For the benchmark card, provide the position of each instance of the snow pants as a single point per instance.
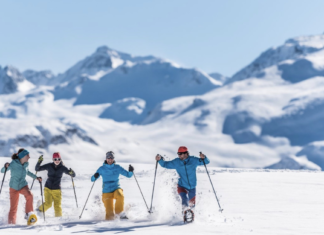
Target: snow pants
(108, 201)
(50, 197)
(188, 196)
(14, 199)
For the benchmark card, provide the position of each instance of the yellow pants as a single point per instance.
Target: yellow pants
(50, 197)
(108, 200)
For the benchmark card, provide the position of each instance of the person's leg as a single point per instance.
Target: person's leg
(119, 196)
(48, 200)
(192, 197)
(184, 196)
(14, 198)
(108, 201)
(57, 197)
(29, 199)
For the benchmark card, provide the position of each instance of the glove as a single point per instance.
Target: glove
(130, 169)
(71, 172)
(40, 159)
(39, 179)
(6, 164)
(96, 175)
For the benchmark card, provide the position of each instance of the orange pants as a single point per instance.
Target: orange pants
(14, 199)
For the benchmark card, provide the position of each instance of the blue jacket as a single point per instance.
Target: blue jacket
(110, 176)
(186, 170)
(18, 174)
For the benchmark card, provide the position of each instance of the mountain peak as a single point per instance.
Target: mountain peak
(313, 41)
(298, 49)
(102, 49)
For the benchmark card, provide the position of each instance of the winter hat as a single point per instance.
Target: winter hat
(110, 154)
(56, 155)
(23, 154)
(182, 149)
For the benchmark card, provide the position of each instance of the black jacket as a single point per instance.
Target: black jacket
(54, 173)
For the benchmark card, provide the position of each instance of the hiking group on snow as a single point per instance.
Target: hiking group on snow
(185, 166)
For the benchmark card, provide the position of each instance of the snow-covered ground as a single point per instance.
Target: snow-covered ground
(254, 201)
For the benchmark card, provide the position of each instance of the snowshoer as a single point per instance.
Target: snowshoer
(52, 190)
(186, 167)
(18, 185)
(111, 190)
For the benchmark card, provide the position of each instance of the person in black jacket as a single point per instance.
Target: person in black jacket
(52, 191)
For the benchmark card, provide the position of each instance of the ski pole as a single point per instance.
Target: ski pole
(150, 211)
(3, 179)
(141, 192)
(220, 209)
(87, 200)
(33, 182)
(35, 173)
(41, 188)
(74, 193)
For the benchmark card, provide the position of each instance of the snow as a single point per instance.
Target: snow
(254, 202)
(268, 111)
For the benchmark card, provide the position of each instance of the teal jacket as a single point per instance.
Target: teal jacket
(18, 174)
(186, 169)
(110, 176)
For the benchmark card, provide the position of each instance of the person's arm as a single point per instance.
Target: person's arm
(4, 167)
(96, 175)
(203, 158)
(31, 174)
(123, 172)
(38, 167)
(168, 164)
(69, 172)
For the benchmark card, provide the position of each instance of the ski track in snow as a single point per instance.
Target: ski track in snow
(254, 202)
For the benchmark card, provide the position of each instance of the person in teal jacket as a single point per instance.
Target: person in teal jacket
(18, 185)
(111, 189)
(186, 167)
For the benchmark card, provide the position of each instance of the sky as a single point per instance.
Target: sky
(211, 35)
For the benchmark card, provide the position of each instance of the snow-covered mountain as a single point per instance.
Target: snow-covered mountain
(298, 59)
(11, 80)
(219, 77)
(109, 76)
(39, 78)
(269, 114)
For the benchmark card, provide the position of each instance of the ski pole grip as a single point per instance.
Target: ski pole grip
(203, 158)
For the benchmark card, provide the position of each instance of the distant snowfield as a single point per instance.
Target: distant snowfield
(254, 202)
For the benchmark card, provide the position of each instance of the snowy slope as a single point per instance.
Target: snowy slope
(298, 59)
(11, 80)
(39, 78)
(109, 76)
(254, 202)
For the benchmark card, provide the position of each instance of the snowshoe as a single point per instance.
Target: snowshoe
(188, 216)
(31, 218)
(123, 216)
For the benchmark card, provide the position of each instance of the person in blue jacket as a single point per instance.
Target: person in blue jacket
(111, 190)
(186, 167)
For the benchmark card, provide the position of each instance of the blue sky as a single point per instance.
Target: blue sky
(212, 35)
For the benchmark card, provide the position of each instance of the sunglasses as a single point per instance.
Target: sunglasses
(56, 159)
(181, 153)
(110, 157)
